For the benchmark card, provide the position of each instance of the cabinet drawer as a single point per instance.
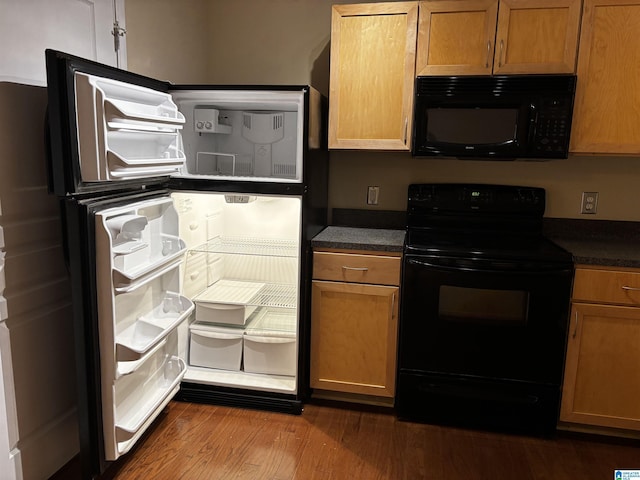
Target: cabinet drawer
(607, 286)
(346, 267)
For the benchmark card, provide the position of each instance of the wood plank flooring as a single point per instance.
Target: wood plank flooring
(198, 442)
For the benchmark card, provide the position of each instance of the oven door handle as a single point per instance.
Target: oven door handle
(491, 266)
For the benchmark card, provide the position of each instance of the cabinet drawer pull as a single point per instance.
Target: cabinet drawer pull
(632, 289)
(357, 269)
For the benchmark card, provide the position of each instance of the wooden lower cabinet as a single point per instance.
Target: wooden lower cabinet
(354, 325)
(354, 336)
(602, 372)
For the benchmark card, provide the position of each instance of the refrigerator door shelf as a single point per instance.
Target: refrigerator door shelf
(148, 330)
(142, 261)
(124, 285)
(138, 410)
(127, 368)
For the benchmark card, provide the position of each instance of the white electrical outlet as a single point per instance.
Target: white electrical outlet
(589, 202)
(372, 195)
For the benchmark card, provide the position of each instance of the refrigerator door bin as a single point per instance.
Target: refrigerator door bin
(131, 266)
(215, 347)
(149, 329)
(141, 396)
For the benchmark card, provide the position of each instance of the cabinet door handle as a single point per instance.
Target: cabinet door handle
(575, 328)
(406, 127)
(501, 53)
(486, 64)
(632, 289)
(357, 269)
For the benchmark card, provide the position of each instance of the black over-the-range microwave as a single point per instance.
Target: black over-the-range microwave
(501, 117)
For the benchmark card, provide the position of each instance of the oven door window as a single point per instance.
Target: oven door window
(483, 306)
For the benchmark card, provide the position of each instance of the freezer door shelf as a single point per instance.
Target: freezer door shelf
(138, 403)
(121, 126)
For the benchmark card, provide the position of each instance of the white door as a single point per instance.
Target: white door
(80, 27)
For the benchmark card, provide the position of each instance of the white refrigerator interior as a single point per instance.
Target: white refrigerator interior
(198, 287)
(126, 131)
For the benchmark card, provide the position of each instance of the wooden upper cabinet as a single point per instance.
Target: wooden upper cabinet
(372, 75)
(481, 37)
(456, 37)
(536, 36)
(606, 115)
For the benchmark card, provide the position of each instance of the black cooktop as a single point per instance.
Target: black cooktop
(479, 221)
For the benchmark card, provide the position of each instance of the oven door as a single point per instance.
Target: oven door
(484, 318)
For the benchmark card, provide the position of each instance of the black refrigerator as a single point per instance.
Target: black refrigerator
(187, 213)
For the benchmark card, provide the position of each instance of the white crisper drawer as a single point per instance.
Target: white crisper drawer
(227, 302)
(214, 346)
(270, 344)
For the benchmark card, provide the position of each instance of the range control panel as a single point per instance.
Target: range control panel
(443, 198)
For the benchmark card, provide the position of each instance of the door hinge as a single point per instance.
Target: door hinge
(117, 32)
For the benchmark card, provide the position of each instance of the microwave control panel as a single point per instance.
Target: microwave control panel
(553, 125)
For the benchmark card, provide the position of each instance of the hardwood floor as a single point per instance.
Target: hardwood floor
(198, 442)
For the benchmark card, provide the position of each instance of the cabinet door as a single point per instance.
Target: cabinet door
(602, 373)
(456, 37)
(354, 338)
(372, 75)
(606, 114)
(536, 36)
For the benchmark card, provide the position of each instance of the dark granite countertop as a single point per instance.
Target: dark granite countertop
(351, 238)
(597, 242)
(591, 242)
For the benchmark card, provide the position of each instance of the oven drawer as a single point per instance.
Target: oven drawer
(356, 268)
(621, 287)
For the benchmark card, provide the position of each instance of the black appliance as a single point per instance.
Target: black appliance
(501, 117)
(484, 309)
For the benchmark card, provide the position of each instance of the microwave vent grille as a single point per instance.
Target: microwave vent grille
(496, 84)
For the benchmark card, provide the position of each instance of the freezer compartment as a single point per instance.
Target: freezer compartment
(215, 347)
(270, 345)
(126, 131)
(253, 135)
